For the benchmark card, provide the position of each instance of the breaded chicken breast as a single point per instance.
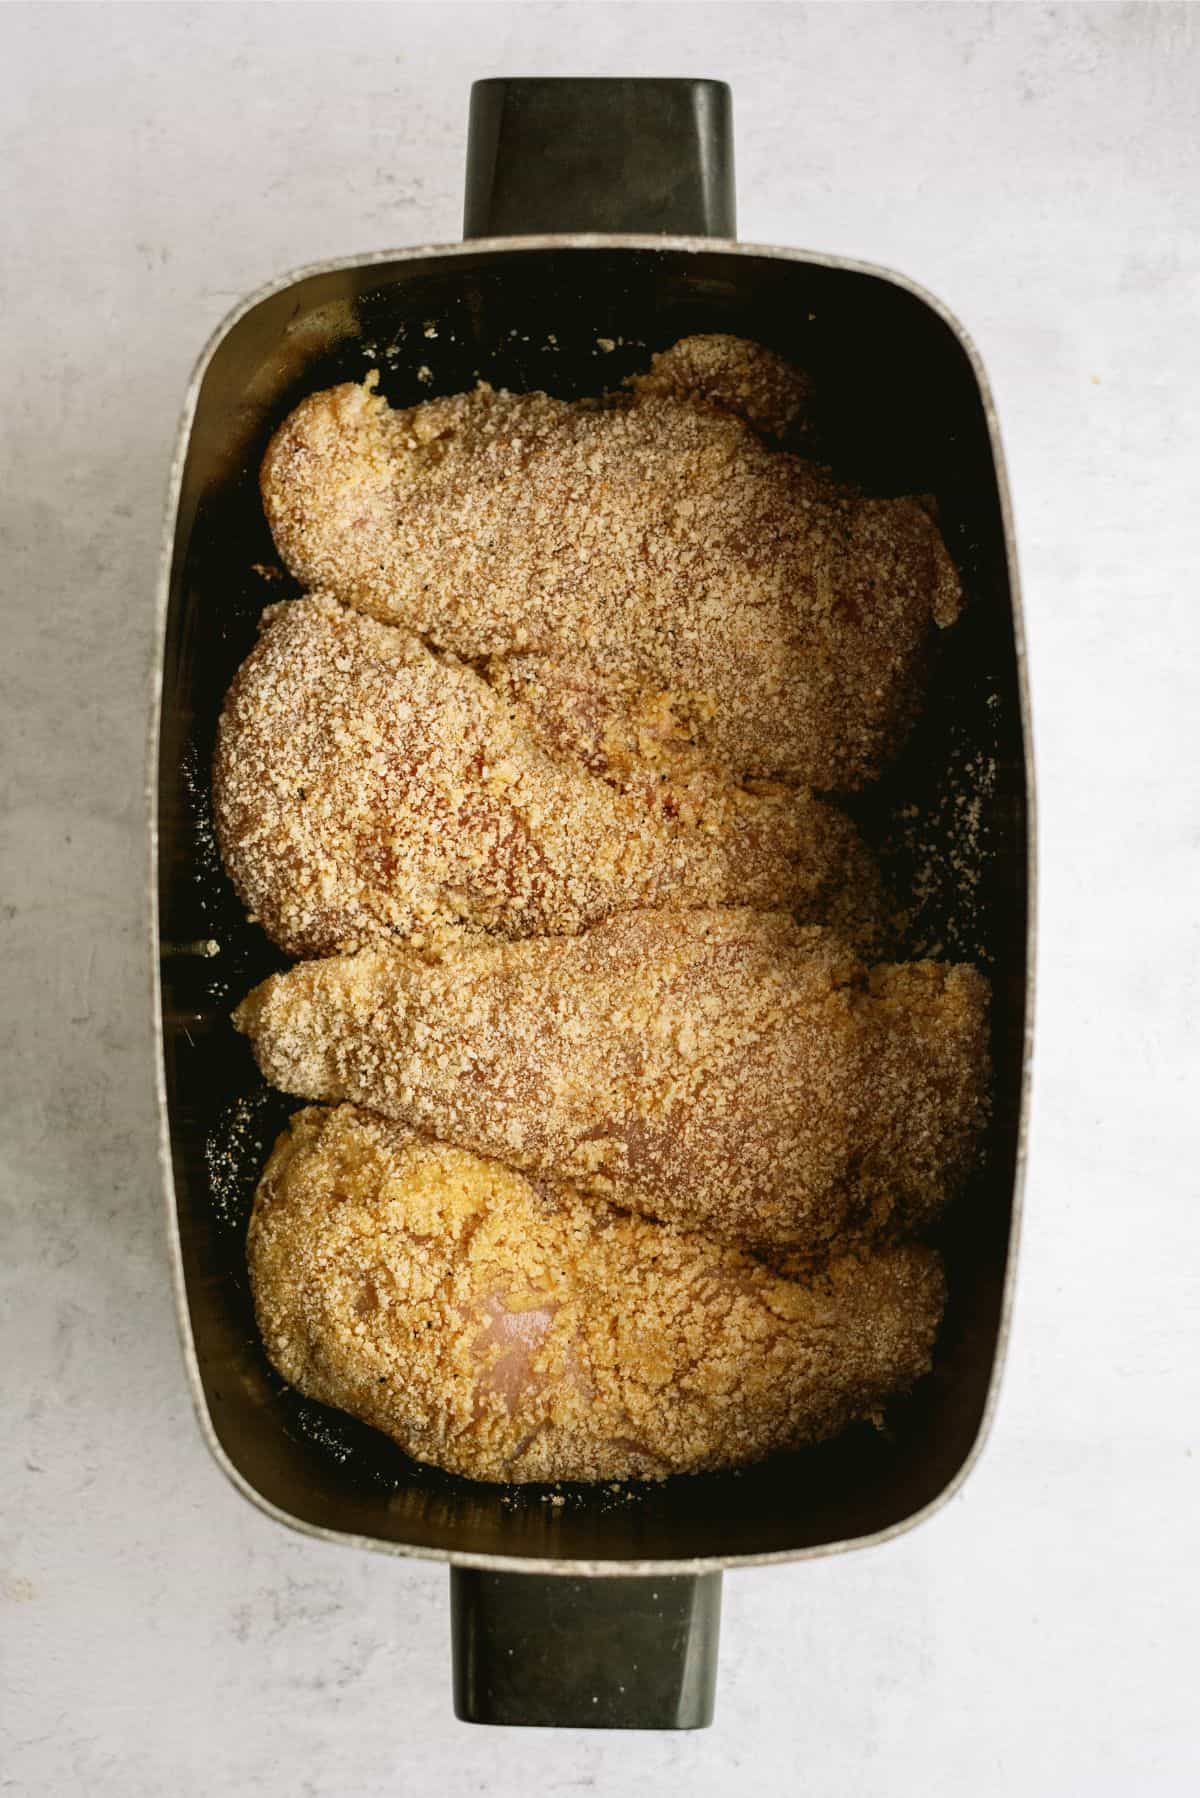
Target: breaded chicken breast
(366, 789)
(655, 553)
(724, 1071)
(506, 1336)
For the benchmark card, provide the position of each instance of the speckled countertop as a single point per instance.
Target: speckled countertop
(1038, 168)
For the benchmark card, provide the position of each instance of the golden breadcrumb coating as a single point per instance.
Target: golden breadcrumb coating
(726, 1071)
(731, 374)
(505, 1336)
(655, 549)
(365, 788)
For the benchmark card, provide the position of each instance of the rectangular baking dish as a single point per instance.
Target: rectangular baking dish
(600, 227)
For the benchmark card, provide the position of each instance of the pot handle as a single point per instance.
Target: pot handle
(597, 1653)
(608, 154)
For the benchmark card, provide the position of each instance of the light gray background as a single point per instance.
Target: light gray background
(1037, 167)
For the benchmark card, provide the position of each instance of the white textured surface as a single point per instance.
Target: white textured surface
(1039, 168)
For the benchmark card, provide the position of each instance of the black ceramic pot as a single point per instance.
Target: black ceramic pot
(600, 225)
